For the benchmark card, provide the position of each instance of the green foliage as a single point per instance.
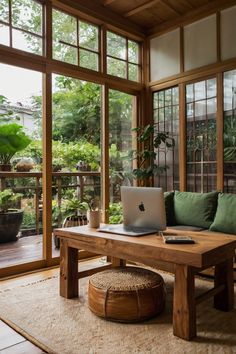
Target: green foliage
(115, 213)
(29, 220)
(12, 140)
(151, 142)
(230, 138)
(73, 207)
(7, 200)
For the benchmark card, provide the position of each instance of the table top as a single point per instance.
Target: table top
(208, 249)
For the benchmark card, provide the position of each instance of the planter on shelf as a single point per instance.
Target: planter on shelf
(5, 167)
(24, 165)
(10, 219)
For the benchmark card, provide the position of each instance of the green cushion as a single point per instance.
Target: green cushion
(225, 219)
(169, 205)
(196, 209)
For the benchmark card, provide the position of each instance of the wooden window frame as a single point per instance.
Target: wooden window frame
(126, 60)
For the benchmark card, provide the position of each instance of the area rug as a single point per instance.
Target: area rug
(64, 326)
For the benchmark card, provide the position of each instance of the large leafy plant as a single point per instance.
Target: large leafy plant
(7, 200)
(12, 140)
(150, 141)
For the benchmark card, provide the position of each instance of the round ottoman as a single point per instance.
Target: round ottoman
(128, 294)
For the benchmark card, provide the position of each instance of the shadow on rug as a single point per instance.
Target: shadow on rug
(65, 326)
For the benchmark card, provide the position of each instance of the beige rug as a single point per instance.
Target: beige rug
(68, 327)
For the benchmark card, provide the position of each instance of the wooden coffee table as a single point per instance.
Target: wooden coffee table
(183, 260)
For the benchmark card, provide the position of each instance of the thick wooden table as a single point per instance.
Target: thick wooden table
(185, 261)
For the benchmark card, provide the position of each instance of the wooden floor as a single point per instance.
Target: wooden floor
(25, 249)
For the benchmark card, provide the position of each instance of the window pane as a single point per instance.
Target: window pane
(201, 137)
(211, 106)
(200, 90)
(65, 53)
(4, 35)
(22, 105)
(133, 52)
(27, 15)
(4, 11)
(189, 93)
(88, 60)
(88, 36)
(133, 72)
(24, 41)
(116, 67)
(167, 120)
(230, 132)
(211, 88)
(64, 28)
(155, 100)
(121, 113)
(116, 45)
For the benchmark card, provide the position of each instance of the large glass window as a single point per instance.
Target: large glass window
(230, 131)
(201, 135)
(75, 41)
(166, 119)
(76, 157)
(21, 153)
(122, 118)
(122, 57)
(21, 25)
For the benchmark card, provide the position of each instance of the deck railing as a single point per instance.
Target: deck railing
(82, 180)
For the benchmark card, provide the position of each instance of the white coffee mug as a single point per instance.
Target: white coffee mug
(93, 217)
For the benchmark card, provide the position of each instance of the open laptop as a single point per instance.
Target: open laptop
(143, 212)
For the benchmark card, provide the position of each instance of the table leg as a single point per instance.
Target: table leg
(184, 307)
(69, 285)
(118, 262)
(224, 275)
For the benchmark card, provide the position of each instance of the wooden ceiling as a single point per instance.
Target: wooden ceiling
(150, 13)
(149, 16)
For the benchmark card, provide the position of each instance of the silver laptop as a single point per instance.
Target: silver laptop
(143, 212)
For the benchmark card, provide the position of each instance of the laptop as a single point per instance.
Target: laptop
(143, 212)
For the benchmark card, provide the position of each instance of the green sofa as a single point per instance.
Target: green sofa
(201, 211)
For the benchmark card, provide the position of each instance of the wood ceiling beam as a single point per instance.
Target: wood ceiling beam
(140, 8)
(170, 7)
(108, 2)
(191, 16)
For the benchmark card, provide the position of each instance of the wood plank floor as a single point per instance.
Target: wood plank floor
(26, 249)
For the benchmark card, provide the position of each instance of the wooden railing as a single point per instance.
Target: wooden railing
(80, 185)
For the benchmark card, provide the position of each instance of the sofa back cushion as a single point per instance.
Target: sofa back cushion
(196, 209)
(169, 205)
(225, 218)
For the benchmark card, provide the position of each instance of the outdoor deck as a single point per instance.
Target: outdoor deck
(26, 249)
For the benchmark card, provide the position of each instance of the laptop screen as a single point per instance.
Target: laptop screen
(143, 207)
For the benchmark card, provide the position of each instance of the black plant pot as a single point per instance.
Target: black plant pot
(10, 223)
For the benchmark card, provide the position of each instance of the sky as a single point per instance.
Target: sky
(18, 84)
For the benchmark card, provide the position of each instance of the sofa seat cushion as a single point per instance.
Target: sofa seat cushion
(195, 209)
(225, 218)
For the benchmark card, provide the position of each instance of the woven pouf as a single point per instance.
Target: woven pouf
(128, 294)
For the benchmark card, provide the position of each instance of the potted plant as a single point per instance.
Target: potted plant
(150, 141)
(12, 140)
(75, 215)
(10, 218)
